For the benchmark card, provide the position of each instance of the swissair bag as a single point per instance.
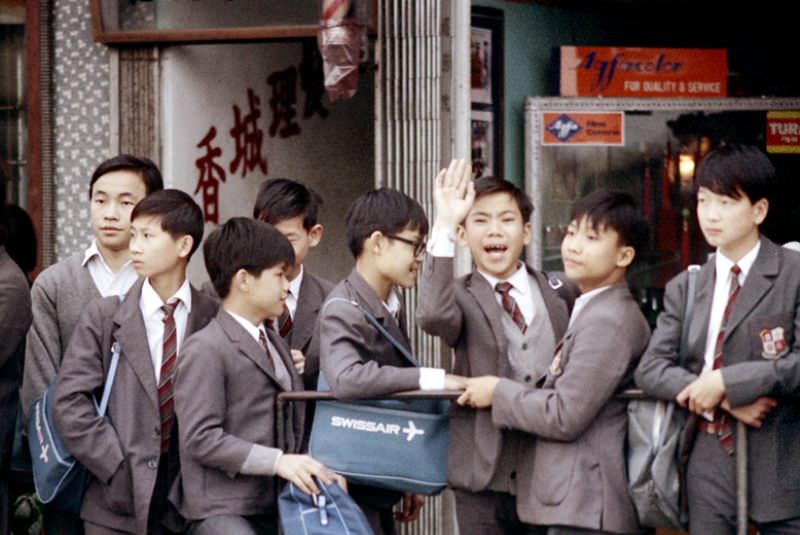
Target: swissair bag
(655, 430)
(59, 479)
(331, 512)
(391, 444)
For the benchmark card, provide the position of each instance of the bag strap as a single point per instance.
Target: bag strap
(683, 350)
(381, 329)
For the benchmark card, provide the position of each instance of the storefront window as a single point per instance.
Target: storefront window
(13, 127)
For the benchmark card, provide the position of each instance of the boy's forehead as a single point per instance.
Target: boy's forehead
(147, 221)
(586, 221)
(497, 202)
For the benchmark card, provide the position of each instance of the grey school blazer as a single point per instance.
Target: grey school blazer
(572, 468)
(465, 313)
(121, 451)
(761, 357)
(225, 395)
(15, 318)
(305, 335)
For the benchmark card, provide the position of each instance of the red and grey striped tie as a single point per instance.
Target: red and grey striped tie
(166, 389)
(510, 304)
(725, 431)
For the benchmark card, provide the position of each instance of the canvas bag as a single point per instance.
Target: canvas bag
(59, 479)
(331, 512)
(391, 444)
(655, 430)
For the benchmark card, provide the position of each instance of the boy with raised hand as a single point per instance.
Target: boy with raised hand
(502, 319)
(571, 477)
(743, 358)
(228, 379)
(386, 234)
(292, 208)
(132, 453)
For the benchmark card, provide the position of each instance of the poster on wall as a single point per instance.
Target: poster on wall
(592, 71)
(583, 128)
(783, 132)
(482, 144)
(481, 65)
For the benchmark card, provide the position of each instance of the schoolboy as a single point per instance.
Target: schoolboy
(491, 217)
(571, 476)
(62, 291)
(227, 382)
(292, 208)
(743, 354)
(132, 453)
(386, 234)
(15, 318)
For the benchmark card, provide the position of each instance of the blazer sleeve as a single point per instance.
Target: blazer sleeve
(593, 371)
(659, 372)
(15, 318)
(437, 312)
(43, 346)
(341, 348)
(747, 381)
(90, 438)
(200, 406)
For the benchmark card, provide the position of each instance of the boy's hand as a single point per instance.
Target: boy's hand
(479, 392)
(454, 382)
(411, 507)
(754, 413)
(299, 360)
(299, 469)
(453, 194)
(703, 394)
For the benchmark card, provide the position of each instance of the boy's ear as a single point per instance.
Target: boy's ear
(241, 280)
(374, 242)
(526, 234)
(760, 210)
(461, 234)
(625, 256)
(185, 243)
(315, 235)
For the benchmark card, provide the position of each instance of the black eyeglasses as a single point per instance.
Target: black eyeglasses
(419, 246)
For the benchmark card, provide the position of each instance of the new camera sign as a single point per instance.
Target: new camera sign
(583, 128)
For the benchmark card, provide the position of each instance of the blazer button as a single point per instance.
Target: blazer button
(152, 464)
(156, 432)
(513, 475)
(525, 346)
(528, 378)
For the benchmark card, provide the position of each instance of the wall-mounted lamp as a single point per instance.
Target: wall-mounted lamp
(686, 168)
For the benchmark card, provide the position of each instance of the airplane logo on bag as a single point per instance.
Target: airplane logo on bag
(39, 434)
(371, 426)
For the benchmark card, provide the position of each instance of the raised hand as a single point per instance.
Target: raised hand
(453, 194)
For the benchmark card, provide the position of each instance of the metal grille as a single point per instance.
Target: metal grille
(408, 146)
(13, 126)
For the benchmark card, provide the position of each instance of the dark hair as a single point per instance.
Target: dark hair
(385, 210)
(733, 169)
(20, 239)
(243, 243)
(616, 210)
(487, 185)
(180, 215)
(144, 167)
(279, 199)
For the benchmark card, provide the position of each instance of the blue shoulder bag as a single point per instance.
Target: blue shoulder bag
(331, 512)
(59, 479)
(391, 444)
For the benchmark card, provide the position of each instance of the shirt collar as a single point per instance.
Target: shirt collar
(519, 279)
(392, 303)
(724, 264)
(253, 330)
(152, 303)
(294, 285)
(92, 253)
(586, 297)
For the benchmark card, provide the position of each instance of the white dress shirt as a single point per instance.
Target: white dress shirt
(150, 305)
(582, 300)
(722, 286)
(107, 282)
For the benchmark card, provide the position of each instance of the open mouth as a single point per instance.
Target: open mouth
(495, 250)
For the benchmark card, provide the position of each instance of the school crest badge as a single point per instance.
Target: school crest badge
(773, 343)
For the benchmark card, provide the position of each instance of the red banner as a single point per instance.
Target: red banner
(783, 132)
(583, 128)
(591, 71)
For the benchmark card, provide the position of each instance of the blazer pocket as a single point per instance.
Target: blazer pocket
(219, 486)
(118, 493)
(772, 336)
(553, 465)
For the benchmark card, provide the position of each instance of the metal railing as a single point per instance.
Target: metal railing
(741, 433)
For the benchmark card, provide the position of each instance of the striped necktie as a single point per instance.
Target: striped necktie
(285, 321)
(262, 339)
(720, 417)
(166, 387)
(510, 304)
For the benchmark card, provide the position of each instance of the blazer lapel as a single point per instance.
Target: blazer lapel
(308, 304)
(203, 309)
(758, 283)
(703, 296)
(487, 302)
(246, 344)
(132, 338)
